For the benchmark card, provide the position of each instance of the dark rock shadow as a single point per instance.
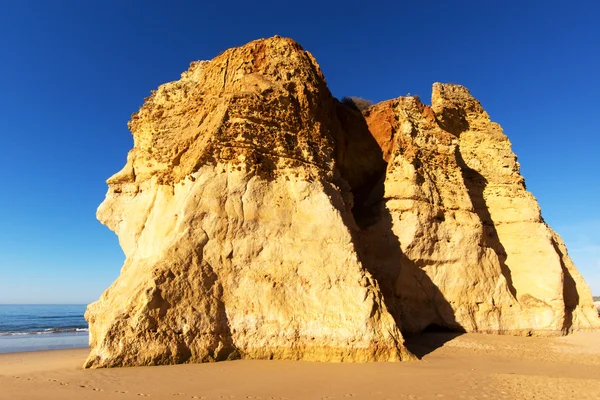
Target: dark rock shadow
(476, 184)
(415, 302)
(359, 160)
(412, 298)
(428, 341)
(570, 295)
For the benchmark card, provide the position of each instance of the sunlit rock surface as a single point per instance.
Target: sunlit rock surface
(456, 240)
(262, 218)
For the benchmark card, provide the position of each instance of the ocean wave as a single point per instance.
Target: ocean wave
(46, 331)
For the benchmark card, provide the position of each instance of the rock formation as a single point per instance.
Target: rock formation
(234, 220)
(474, 251)
(262, 218)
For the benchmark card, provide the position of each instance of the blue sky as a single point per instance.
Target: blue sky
(74, 71)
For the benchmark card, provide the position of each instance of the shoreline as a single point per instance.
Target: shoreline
(10, 344)
(467, 366)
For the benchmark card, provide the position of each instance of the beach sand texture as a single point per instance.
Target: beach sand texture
(469, 366)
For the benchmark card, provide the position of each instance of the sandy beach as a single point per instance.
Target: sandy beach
(468, 366)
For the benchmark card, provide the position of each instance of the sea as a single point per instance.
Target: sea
(42, 327)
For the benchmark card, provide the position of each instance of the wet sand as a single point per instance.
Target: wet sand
(468, 366)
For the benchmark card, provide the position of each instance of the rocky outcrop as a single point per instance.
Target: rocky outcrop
(234, 221)
(470, 248)
(262, 218)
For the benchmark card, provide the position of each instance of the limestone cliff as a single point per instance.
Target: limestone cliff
(234, 221)
(470, 250)
(261, 218)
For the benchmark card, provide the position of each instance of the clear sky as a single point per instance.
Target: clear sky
(72, 73)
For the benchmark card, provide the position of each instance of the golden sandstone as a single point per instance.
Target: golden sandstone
(262, 218)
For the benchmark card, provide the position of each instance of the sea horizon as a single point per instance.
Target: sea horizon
(39, 327)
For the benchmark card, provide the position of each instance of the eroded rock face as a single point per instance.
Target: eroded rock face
(470, 248)
(261, 218)
(234, 220)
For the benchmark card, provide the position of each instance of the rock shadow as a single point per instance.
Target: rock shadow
(359, 160)
(412, 298)
(570, 294)
(476, 184)
(428, 341)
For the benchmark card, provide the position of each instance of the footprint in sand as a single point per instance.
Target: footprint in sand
(59, 382)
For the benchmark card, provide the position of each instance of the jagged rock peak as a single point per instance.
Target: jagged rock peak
(270, 87)
(475, 252)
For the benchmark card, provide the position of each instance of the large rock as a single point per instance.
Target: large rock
(235, 223)
(261, 218)
(469, 248)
